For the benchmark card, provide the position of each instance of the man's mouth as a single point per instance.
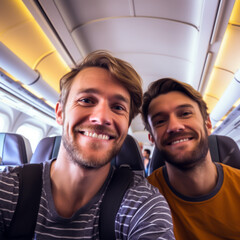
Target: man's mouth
(96, 135)
(179, 138)
(179, 141)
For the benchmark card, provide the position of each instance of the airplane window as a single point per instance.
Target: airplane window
(4, 122)
(32, 133)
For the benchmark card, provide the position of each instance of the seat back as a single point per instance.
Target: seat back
(222, 149)
(129, 155)
(225, 150)
(46, 149)
(156, 161)
(14, 149)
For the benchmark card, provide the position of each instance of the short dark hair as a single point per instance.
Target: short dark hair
(120, 70)
(147, 151)
(166, 85)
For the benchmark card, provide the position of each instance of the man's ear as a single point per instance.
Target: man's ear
(208, 125)
(150, 138)
(59, 113)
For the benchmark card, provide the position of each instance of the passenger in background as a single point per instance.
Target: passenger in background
(98, 100)
(146, 159)
(203, 196)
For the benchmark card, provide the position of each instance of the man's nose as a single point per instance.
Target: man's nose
(101, 114)
(175, 124)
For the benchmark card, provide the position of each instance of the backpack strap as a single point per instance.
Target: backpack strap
(112, 199)
(24, 219)
(213, 146)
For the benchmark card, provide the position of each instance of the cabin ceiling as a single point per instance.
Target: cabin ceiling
(160, 38)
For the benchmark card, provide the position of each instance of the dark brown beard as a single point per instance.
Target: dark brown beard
(191, 159)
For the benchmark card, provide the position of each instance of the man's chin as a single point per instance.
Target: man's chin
(184, 161)
(92, 166)
(91, 162)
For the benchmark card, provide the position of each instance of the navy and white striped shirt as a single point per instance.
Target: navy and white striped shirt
(143, 214)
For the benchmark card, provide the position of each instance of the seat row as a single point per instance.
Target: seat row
(15, 150)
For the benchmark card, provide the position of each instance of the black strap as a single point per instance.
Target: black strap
(213, 146)
(112, 199)
(24, 219)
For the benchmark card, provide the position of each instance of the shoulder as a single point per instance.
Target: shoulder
(145, 211)
(231, 173)
(9, 177)
(141, 185)
(156, 178)
(230, 170)
(9, 189)
(142, 192)
(144, 195)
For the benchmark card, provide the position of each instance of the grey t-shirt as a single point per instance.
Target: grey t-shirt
(143, 214)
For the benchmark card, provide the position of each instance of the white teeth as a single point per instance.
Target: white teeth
(181, 140)
(95, 135)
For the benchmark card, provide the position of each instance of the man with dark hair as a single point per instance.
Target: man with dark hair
(146, 159)
(203, 196)
(98, 100)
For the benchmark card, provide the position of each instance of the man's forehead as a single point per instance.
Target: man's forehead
(171, 100)
(98, 80)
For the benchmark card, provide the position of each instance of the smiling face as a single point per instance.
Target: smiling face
(178, 129)
(95, 119)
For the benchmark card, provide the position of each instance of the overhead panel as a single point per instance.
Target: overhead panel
(227, 62)
(229, 58)
(22, 35)
(79, 12)
(52, 68)
(222, 78)
(185, 11)
(145, 35)
(152, 66)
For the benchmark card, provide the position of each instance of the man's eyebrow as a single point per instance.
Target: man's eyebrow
(121, 98)
(88, 90)
(177, 108)
(187, 105)
(117, 96)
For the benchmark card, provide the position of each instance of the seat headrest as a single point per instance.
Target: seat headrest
(46, 149)
(14, 149)
(225, 150)
(222, 149)
(129, 155)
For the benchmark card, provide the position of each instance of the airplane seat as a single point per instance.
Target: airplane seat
(46, 149)
(223, 149)
(14, 149)
(129, 155)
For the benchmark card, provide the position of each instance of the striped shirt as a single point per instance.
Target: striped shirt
(143, 213)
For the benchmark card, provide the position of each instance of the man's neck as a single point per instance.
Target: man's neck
(73, 186)
(196, 182)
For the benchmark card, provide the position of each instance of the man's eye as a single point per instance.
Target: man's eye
(159, 122)
(186, 114)
(85, 100)
(118, 107)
